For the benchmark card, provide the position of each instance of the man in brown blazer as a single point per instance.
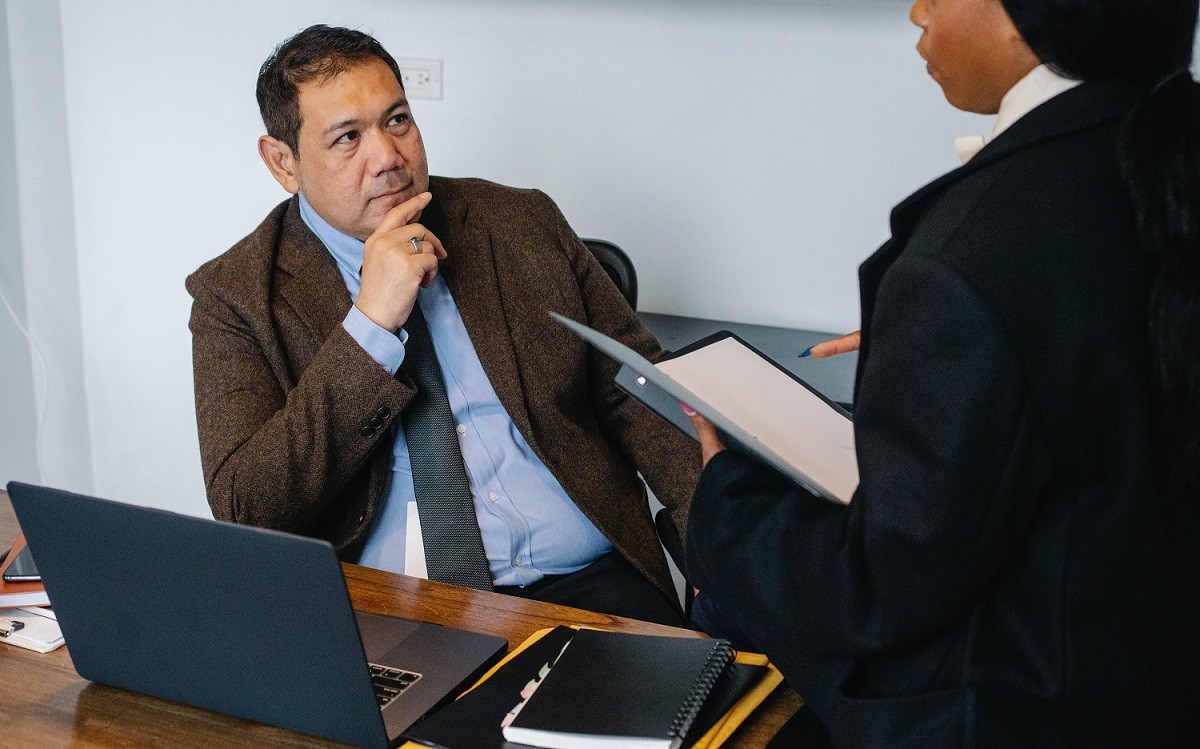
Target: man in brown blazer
(303, 340)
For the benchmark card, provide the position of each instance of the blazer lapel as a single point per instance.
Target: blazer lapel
(470, 274)
(309, 280)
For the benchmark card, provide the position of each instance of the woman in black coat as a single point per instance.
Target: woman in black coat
(1019, 565)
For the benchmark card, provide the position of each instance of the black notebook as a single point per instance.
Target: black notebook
(473, 721)
(617, 689)
(734, 682)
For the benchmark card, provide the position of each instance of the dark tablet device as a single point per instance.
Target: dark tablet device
(22, 569)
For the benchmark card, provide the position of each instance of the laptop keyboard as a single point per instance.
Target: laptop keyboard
(390, 682)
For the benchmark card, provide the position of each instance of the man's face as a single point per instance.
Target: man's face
(361, 153)
(973, 51)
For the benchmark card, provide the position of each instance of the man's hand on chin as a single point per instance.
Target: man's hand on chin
(399, 257)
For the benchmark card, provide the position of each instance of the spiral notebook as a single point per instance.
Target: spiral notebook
(474, 721)
(612, 689)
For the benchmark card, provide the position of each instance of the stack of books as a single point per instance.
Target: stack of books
(22, 622)
(19, 591)
(594, 689)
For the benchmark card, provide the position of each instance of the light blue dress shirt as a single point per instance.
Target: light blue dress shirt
(530, 527)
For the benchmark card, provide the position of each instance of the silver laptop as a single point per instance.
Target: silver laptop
(240, 620)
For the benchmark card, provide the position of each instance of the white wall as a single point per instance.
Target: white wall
(47, 297)
(17, 458)
(744, 153)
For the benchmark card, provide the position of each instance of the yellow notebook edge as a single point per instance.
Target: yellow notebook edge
(720, 731)
(743, 708)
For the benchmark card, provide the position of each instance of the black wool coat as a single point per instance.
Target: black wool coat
(1007, 573)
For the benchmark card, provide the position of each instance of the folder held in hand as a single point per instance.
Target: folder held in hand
(759, 407)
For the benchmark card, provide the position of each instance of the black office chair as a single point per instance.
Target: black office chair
(620, 269)
(617, 265)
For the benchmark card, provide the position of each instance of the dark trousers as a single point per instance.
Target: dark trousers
(610, 585)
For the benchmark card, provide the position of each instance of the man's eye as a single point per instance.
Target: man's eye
(399, 119)
(348, 137)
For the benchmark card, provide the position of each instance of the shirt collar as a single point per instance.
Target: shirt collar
(1039, 86)
(347, 251)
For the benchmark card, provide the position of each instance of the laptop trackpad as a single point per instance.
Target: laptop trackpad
(380, 634)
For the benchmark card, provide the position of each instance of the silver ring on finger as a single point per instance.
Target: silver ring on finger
(416, 243)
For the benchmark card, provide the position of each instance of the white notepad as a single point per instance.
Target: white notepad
(40, 631)
(766, 410)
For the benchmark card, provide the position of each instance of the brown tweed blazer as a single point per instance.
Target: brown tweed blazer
(285, 397)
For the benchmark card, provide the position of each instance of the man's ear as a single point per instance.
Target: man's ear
(279, 159)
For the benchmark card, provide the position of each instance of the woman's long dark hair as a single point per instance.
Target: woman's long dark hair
(1159, 156)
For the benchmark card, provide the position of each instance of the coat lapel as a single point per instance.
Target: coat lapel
(470, 274)
(309, 280)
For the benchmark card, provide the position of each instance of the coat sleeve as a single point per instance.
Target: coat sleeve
(667, 459)
(951, 465)
(278, 456)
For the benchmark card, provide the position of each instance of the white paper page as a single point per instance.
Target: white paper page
(414, 545)
(779, 412)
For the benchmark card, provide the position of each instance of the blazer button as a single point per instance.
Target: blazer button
(383, 412)
(375, 422)
(367, 431)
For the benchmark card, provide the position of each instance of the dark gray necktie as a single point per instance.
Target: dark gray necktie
(453, 547)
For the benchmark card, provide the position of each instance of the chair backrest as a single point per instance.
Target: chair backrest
(617, 265)
(620, 269)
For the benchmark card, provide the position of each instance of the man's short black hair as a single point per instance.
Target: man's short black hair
(319, 52)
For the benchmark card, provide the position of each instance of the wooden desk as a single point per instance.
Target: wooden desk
(44, 704)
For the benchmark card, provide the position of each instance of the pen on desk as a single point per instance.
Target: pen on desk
(8, 626)
(806, 352)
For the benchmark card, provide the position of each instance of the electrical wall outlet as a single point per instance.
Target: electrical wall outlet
(422, 78)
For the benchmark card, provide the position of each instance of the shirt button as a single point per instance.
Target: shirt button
(462, 428)
(493, 496)
(517, 562)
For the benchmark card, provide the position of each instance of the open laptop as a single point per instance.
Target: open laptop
(240, 620)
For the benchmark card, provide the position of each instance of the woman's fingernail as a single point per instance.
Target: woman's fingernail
(806, 352)
(687, 409)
